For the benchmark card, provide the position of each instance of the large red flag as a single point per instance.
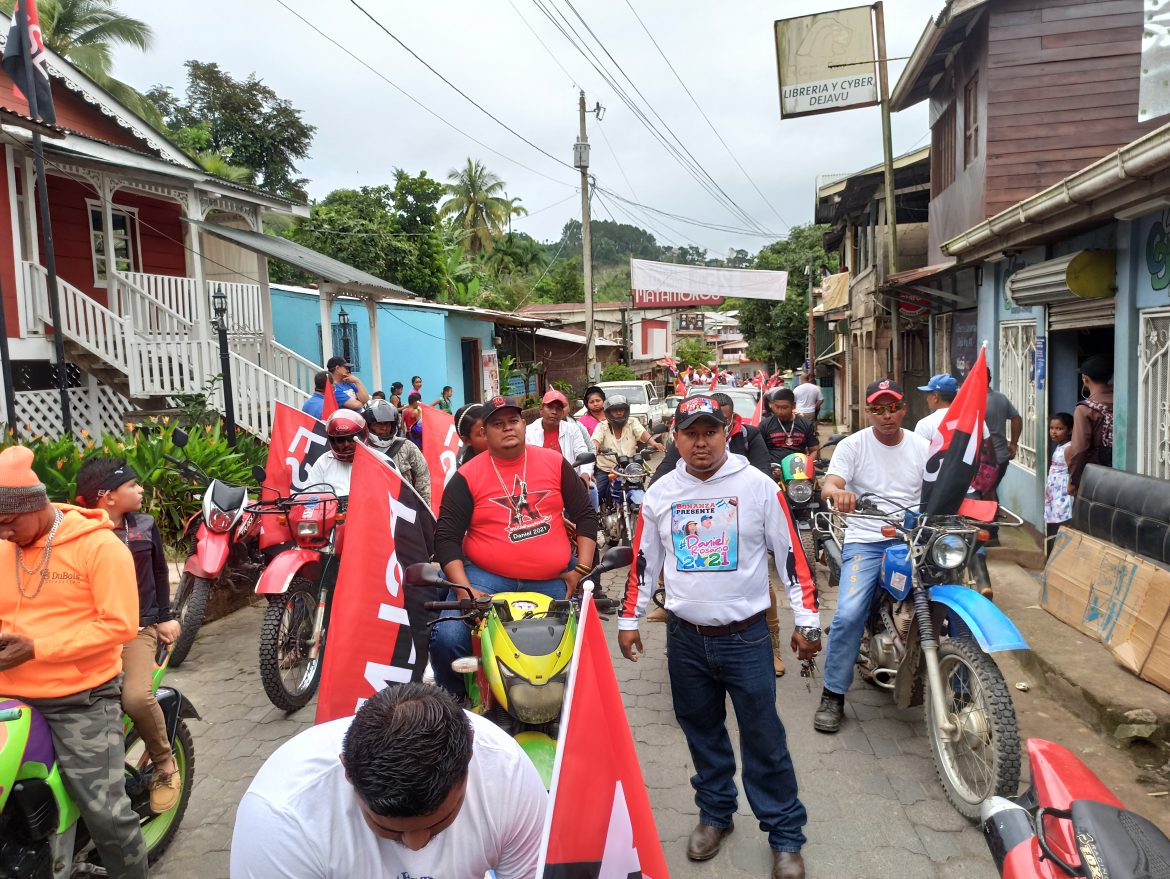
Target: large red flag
(297, 440)
(370, 642)
(440, 446)
(29, 44)
(954, 451)
(679, 387)
(599, 820)
(329, 404)
(758, 412)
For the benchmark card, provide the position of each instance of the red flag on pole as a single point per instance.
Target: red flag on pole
(370, 643)
(440, 446)
(24, 55)
(714, 377)
(599, 820)
(670, 364)
(679, 387)
(329, 404)
(758, 412)
(954, 451)
(297, 441)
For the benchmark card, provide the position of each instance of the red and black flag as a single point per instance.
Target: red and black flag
(25, 52)
(954, 451)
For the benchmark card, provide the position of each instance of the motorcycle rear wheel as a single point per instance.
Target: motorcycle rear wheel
(190, 609)
(290, 678)
(985, 761)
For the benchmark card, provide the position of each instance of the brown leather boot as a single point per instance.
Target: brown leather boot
(774, 630)
(787, 865)
(705, 841)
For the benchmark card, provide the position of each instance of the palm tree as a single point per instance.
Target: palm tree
(477, 205)
(87, 33)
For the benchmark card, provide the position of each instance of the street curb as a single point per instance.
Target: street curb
(1079, 672)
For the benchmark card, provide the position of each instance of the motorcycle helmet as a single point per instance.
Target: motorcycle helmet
(344, 428)
(617, 401)
(382, 418)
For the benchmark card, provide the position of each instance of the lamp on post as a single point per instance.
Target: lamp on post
(219, 302)
(343, 320)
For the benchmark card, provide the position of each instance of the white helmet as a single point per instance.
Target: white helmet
(379, 411)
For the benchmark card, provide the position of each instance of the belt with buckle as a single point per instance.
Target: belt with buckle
(721, 631)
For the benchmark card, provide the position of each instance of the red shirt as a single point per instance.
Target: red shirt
(515, 532)
(552, 440)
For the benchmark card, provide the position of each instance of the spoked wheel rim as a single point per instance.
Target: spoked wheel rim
(294, 642)
(970, 760)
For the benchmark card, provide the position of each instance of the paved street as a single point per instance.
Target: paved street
(874, 805)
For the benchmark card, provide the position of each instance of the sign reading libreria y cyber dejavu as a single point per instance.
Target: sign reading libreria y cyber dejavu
(826, 62)
(670, 285)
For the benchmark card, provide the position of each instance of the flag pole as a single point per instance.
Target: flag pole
(46, 223)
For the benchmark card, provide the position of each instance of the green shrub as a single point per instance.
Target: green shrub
(617, 372)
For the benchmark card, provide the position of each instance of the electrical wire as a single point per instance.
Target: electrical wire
(543, 45)
(706, 119)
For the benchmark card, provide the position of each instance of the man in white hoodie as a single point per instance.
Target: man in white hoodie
(708, 527)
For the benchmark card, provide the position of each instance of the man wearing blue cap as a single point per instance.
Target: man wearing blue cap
(940, 393)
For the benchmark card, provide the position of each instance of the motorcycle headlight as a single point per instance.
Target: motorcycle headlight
(800, 491)
(220, 520)
(308, 529)
(531, 703)
(948, 551)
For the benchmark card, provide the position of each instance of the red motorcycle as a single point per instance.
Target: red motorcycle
(298, 584)
(225, 549)
(1070, 824)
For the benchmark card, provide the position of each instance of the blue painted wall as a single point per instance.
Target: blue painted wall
(413, 341)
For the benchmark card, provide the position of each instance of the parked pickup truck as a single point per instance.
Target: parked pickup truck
(645, 404)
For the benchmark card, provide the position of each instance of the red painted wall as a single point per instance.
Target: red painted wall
(7, 261)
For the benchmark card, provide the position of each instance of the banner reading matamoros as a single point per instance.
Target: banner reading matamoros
(826, 62)
(670, 285)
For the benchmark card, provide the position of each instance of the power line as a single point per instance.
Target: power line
(693, 222)
(704, 115)
(416, 101)
(616, 160)
(544, 45)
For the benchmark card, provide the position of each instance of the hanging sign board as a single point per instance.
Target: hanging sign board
(671, 285)
(826, 62)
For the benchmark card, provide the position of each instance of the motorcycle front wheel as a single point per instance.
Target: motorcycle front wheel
(158, 831)
(984, 760)
(289, 676)
(190, 609)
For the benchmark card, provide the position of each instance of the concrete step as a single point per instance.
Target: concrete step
(1022, 546)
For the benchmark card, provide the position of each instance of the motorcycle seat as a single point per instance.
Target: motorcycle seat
(1119, 843)
(228, 497)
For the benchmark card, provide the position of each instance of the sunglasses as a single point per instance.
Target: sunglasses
(888, 409)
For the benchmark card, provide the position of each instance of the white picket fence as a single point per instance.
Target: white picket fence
(95, 411)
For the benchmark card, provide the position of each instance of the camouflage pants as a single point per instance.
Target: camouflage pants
(87, 733)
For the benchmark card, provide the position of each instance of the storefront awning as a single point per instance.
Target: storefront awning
(932, 288)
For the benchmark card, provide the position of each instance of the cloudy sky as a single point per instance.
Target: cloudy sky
(723, 51)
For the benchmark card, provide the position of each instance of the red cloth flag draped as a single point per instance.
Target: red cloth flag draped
(758, 413)
(15, 58)
(680, 388)
(599, 820)
(329, 404)
(670, 364)
(297, 441)
(440, 446)
(954, 451)
(714, 378)
(377, 635)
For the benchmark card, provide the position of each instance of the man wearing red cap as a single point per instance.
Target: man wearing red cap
(70, 605)
(889, 462)
(553, 431)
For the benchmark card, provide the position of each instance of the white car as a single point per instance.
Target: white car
(742, 400)
(645, 404)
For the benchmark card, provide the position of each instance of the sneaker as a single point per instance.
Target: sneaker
(829, 715)
(165, 788)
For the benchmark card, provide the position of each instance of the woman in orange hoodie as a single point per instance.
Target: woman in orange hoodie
(64, 617)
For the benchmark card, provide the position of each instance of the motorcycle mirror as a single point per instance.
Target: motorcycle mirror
(259, 474)
(179, 438)
(617, 557)
(421, 574)
(584, 458)
(660, 428)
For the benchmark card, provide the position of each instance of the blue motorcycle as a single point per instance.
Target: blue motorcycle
(929, 641)
(627, 489)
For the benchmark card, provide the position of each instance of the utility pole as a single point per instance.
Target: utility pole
(891, 203)
(812, 334)
(581, 160)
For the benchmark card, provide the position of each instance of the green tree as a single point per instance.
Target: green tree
(778, 331)
(617, 372)
(476, 205)
(87, 33)
(692, 351)
(564, 282)
(248, 124)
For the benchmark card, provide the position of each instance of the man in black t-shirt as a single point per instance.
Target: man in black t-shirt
(784, 431)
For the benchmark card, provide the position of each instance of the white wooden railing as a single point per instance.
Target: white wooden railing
(84, 320)
(180, 295)
(245, 306)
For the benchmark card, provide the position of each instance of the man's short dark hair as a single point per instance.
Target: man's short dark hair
(407, 748)
(379, 395)
(93, 474)
(782, 394)
(947, 396)
(319, 381)
(723, 399)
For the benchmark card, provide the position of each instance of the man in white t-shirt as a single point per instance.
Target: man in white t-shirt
(412, 785)
(889, 462)
(809, 398)
(941, 391)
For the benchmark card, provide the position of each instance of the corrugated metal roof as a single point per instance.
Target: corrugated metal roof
(562, 336)
(317, 264)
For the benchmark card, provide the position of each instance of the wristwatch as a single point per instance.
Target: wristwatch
(810, 633)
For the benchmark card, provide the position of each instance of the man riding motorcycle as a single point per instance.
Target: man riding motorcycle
(344, 429)
(785, 432)
(618, 433)
(382, 419)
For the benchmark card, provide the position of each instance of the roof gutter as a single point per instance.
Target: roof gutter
(1143, 158)
(923, 52)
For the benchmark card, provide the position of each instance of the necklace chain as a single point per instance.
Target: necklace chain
(46, 555)
(500, 479)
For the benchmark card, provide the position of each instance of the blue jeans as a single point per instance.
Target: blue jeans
(451, 638)
(703, 672)
(594, 498)
(861, 565)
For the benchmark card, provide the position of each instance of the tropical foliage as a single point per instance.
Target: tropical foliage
(477, 205)
(690, 351)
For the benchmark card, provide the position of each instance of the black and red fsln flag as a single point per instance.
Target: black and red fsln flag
(954, 451)
(17, 67)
